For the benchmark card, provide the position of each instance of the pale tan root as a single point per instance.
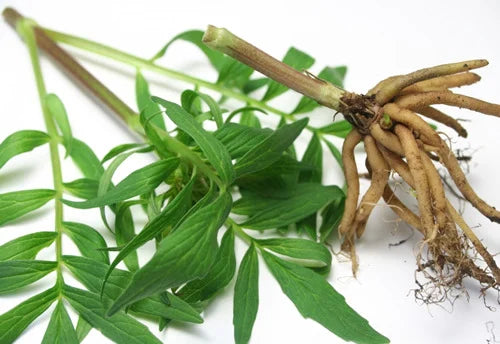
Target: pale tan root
(449, 160)
(441, 83)
(413, 121)
(379, 176)
(417, 101)
(443, 118)
(386, 139)
(401, 210)
(386, 90)
(412, 153)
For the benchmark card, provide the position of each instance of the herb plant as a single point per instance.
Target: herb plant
(237, 179)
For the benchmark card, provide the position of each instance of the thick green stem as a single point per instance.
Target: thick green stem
(240, 232)
(26, 30)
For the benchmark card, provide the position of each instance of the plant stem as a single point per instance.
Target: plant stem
(28, 33)
(240, 232)
(224, 41)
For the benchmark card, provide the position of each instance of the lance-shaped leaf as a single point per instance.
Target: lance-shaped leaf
(331, 214)
(246, 296)
(270, 149)
(27, 246)
(234, 74)
(307, 199)
(339, 129)
(58, 112)
(85, 188)
(15, 274)
(219, 276)
(89, 241)
(335, 152)
(138, 182)
(91, 273)
(239, 139)
(120, 328)
(15, 321)
(120, 149)
(82, 328)
(86, 160)
(145, 104)
(168, 218)
(185, 255)
(18, 203)
(294, 58)
(215, 151)
(125, 231)
(212, 104)
(306, 252)
(21, 142)
(60, 329)
(316, 299)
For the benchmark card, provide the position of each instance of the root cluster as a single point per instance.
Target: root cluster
(396, 138)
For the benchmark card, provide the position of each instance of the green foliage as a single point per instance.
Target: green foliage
(27, 246)
(18, 203)
(21, 142)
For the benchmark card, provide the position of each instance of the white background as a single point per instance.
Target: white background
(375, 39)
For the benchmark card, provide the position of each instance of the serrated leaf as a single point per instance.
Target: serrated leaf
(296, 59)
(316, 299)
(86, 160)
(185, 255)
(120, 328)
(219, 276)
(138, 182)
(215, 152)
(88, 240)
(60, 329)
(91, 274)
(21, 142)
(58, 112)
(15, 274)
(339, 129)
(212, 105)
(246, 296)
(334, 75)
(216, 58)
(168, 218)
(239, 139)
(85, 188)
(270, 149)
(15, 321)
(120, 149)
(18, 203)
(144, 102)
(27, 246)
(82, 328)
(308, 199)
(306, 252)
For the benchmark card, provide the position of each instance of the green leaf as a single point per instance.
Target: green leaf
(219, 276)
(234, 74)
(85, 188)
(308, 199)
(212, 104)
(243, 110)
(248, 118)
(254, 84)
(15, 274)
(58, 112)
(27, 246)
(120, 328)
(313, 156)
(138, 182)
(185, 255)
(60, 329)
(194, 36)
(91, 274)
(15, 321)
(86, 160)
(335, 152)
(120, 149)
(316, 299)
(168, 218)
(332, 214)
(270, 149)
(82, 329)
(339, 129)
(144, 102)
(215, 152)
(334, 75)
(246, 296)
(125, 232)
(294, 58)
(21, 142)
(240, 139)
(307, 253)
(88, 240)
(18, 203)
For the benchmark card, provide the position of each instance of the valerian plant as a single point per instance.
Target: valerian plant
(205, 184)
